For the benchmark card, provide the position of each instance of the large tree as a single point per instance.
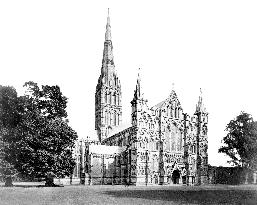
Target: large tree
(240, 143)
(43, 141)
(9, 119)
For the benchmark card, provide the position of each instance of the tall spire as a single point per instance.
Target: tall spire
(108, 107)
(200, 106)
(108, 36)
(138, 92)
(108, 67)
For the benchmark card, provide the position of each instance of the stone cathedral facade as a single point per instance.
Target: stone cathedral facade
(162, 145)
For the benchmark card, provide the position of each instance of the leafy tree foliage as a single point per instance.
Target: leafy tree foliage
(9, 119)
(42, 141)
(241, 141)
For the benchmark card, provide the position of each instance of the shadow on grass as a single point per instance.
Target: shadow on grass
(191, 196)
(31, 186)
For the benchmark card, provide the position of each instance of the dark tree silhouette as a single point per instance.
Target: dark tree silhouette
(41, 145)
(9, 119)
(241, 141)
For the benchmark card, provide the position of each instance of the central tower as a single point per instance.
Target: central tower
(108, 110)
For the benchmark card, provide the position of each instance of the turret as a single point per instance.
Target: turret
(138, 103)
(201, 142)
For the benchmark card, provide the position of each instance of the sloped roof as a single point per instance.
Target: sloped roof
(118, 129)
(104, 149)
(173, 96)
(159, 105)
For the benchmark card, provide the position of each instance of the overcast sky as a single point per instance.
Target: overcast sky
(194, 44)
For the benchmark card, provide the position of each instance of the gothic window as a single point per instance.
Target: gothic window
(157, 146)
(193, 149)
(167, 138)
(114, 119)
(152, 145)
(114, 101)
(105, 98)
(173, 141)
(179, 140)
(105, 117)
(110, 98)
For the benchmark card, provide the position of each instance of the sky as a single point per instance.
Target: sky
(194, 44)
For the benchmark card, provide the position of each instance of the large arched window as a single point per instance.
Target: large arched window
(110, 98)
(105, 117)
(114, 99)
(167, 140)
(105, 97)
(114, 118)
(110, 118)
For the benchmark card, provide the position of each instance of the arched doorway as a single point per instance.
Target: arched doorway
(175, 176)
(155, 179)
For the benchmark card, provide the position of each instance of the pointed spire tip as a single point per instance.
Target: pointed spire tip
(108, 28)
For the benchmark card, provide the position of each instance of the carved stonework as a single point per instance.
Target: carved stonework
(108, 111)
(163, 145)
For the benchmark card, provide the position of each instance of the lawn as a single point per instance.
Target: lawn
(24, 194)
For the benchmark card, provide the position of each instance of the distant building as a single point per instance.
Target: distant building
(162, 145)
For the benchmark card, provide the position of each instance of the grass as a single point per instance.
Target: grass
(220, 194)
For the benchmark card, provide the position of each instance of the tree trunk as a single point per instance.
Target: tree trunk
(49, 181)
(8, 181)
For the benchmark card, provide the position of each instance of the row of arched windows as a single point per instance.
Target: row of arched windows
(112, 99)
(192, 148)
(111, 118)
(174, 112)
(151, 146)
(151, 125)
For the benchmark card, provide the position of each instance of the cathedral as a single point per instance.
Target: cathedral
(162, 145)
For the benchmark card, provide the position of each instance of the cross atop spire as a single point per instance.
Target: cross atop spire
(108, 36)
(172, 93)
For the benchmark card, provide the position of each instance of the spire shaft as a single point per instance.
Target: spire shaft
(138, 92)
(107, 63)
(108, 36)
(200, 106)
